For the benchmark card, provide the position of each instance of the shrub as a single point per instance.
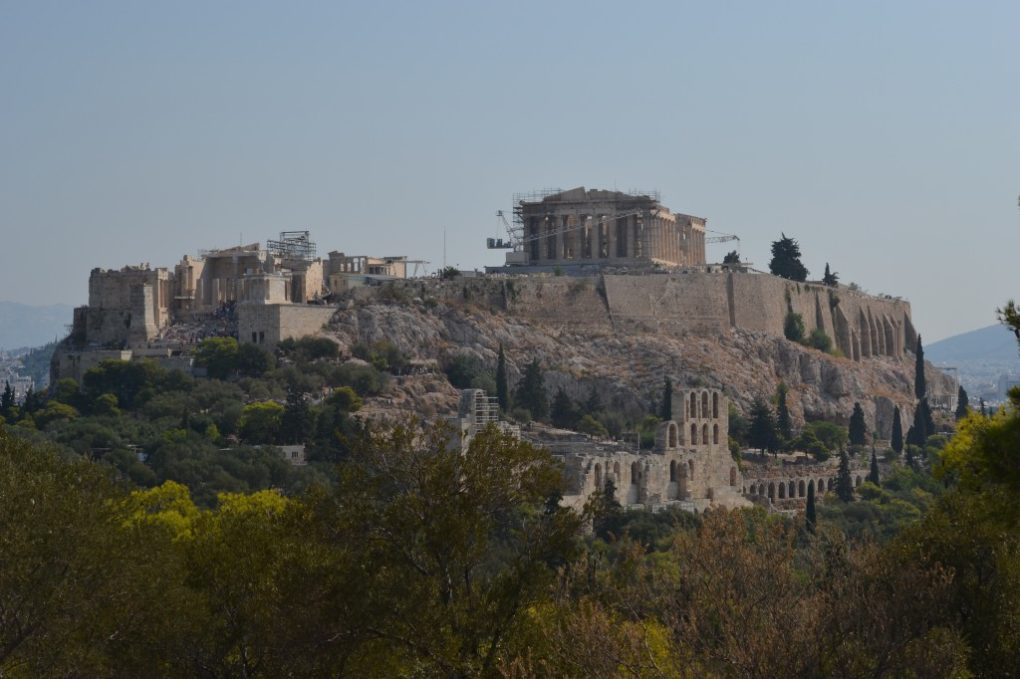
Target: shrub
(793, 327)
(819, 340)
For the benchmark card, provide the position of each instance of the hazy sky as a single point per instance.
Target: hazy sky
(884, 136)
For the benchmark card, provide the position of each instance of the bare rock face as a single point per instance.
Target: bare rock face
(628, 365)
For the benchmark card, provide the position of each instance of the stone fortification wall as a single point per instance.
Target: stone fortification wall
(700, 303)
(268, 324)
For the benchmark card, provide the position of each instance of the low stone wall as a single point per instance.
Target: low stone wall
(268, 324)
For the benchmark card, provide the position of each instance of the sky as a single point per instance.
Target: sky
(883, 136)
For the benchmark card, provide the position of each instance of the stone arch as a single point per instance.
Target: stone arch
(800, 489)
(761, 489)
(672, 435)
(733, 476)
(635, 473)
(694, 434)
(782, 491)
(598, 475)
(694, 404)
(704, 404)
(690, 469)
(672, 471)
(616, 471)
(772, 490)
(715, 404)
(715, 434)
(704, 434)
(793, 489)
(820, 487)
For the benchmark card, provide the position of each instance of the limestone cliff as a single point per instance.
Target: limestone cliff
(569, 325)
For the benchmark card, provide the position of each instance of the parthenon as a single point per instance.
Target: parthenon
(593, 226)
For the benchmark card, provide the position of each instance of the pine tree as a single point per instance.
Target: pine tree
(831, 279)
(786, 260)
(667, 400)
(502, 391)
(844, 484)
(784, 427)
(897, 431)
(873, 475)
(762, 434)
(962, 403)
(809, 512)
(530, 392)
(920, 385)
(858, 430)
(732, 257)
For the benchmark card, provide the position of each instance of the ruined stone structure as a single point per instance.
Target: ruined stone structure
(585, 227)
(690, 465)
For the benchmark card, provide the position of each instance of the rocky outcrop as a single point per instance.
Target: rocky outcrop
(627, 363)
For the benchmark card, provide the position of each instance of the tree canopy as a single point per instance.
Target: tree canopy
(785, 261)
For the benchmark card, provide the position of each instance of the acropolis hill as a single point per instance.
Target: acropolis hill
(603, 287)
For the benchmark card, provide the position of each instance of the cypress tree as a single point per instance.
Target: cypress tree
(667, 400)
(897, 431)
(920, 385)
(858, 430)
(844, 484)
(502, 390)
(873, 475)
(962, 403)
(530, 392)
(809, 512)
(7, 400)
(563, 413)
(830, 279)
(984, 411)
(784, 427)
(762, 434)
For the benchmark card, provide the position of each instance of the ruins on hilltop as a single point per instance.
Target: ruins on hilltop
(592, 228)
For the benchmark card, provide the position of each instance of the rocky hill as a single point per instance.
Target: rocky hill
(627, 362)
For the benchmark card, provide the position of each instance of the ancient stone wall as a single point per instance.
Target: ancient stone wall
(268, 324)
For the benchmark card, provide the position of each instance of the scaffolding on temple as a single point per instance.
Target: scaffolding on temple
(293, 245)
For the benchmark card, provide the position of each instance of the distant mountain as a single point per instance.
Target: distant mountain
(23, 325)
(994, 344)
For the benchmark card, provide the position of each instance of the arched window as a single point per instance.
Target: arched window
(635, 473)
(671, 435)
(704, 434)
(793, 489)
(598, 475)
(772, 491)
(761, 489)
(800, 489)
(616, 472)
(694, 405)
(690, 470)
(733, 476)
(782, 491)
(672, 471)
(704, 404)
(715, 404)
(694, 434)
(715, 433)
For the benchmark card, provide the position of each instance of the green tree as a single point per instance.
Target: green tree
(784, 425)
(873, 473)
(920, 384)
(897, 431)
(962, 403)
(219, 356)
(793, 327)
(563, 413)
(844, 483)
(762, 433)
(731, 257)
(261, 421)
(786, 260)
(502, 388)
(666, 412)
(830, 278)
(7, 401)
(253, 361)
(820, 341)
(530, 392)
(297, 422)
(810, 517)
(858, 429)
